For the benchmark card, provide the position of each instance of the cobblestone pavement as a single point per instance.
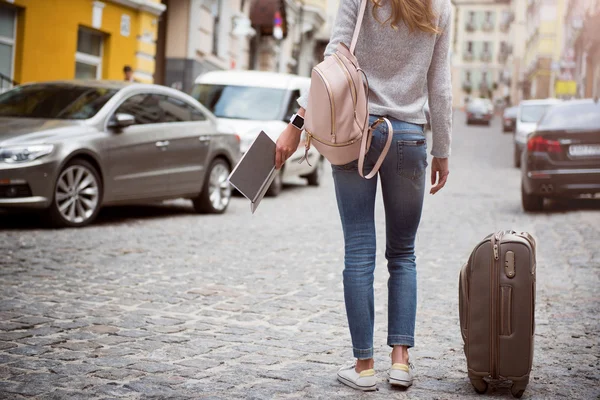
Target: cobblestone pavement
(157, 302)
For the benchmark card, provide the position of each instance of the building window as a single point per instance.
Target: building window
(88, 59)
(215, 11)
(470, 47)
(470, 26)
(488, 24)
(8, 25)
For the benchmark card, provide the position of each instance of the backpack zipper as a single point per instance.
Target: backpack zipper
(348, 78)
(331, 100)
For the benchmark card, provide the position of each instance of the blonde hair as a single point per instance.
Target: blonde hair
(416, 15)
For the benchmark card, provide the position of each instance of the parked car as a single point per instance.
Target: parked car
(251, 101)
(528, 115)
(478, 111)
(71, 147)
(562, 157)
(490, 106)
(509, 119)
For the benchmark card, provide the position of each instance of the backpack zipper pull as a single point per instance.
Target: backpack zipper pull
(306, 148)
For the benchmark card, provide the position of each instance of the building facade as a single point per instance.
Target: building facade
(517, 22)
(198, 36)
(296, 52)
(584, 49)
(67, 39)
(544, 43)
(480, 49)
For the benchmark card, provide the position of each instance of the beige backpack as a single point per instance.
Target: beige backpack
(337, 115)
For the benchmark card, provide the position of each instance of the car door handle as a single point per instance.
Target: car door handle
(204, 138)
(163, 143)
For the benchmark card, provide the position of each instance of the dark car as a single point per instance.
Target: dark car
(509, 119)
(478, 112)
(562, 157)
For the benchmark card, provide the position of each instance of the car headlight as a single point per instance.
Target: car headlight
(24, 153)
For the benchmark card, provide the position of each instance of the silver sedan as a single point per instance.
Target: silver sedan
(71, 147)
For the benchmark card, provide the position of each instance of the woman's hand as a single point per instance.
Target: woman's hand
(287, 144)
(439, 173)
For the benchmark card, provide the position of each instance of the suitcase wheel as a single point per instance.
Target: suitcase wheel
(517, 389)
(480, 385)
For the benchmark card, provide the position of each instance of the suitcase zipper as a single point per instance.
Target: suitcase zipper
(494, 305)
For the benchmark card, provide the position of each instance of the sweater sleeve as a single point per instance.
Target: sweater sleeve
(439, 86)
(342, 31)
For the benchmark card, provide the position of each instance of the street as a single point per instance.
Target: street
(158, 302)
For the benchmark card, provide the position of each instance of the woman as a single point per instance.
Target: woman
(403, 49)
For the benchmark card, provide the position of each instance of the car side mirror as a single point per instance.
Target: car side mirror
(122, 120)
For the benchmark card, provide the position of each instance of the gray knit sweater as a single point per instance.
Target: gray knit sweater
(404, 68)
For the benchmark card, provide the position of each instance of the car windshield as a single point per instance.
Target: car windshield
(477, 106)
(574, 116)
(510, 112)
(241, 102)
(53, 101)
(533, 113)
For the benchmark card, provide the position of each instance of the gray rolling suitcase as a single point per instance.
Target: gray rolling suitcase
(497, 310)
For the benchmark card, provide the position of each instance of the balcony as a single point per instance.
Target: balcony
(486, 56)
(507, 19)
(467, 86)
(487, 26)
(505, 52)
(468, 56)
(470, 26)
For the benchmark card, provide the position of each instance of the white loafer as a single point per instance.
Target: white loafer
(365, 381)
(401, 375)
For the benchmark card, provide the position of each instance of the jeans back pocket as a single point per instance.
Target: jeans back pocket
(412, 157)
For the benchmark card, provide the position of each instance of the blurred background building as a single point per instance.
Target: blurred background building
(169, 42)
(66, 39)
(480, 48)
(501, 49)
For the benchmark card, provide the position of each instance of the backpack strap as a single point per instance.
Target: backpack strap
(363, 149)
(361, 14)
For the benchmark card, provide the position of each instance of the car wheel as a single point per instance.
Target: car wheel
(216, 193)
(531, 202)
(77, 195)
(314, 178)
(276, 185)
(517, 157)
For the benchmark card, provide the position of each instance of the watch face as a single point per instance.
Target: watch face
(298, 121)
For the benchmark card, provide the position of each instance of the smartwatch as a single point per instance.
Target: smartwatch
(297, 121)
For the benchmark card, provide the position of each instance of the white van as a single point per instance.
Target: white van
(251, 101)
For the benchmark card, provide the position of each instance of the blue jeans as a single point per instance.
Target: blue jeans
(403, 182)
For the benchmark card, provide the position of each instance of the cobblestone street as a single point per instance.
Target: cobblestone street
(158, 302)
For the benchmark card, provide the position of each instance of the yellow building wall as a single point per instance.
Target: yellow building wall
(547, 40)
(47, 39)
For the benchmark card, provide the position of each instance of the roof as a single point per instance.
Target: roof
(539, 102)
(253, 78)
(87, 83)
